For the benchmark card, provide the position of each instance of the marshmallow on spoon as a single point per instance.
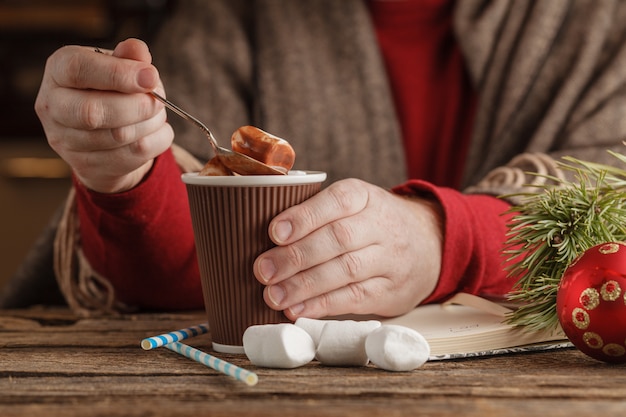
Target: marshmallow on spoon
(265, 147)
(342, 342)
(397, 348)
(281, 345)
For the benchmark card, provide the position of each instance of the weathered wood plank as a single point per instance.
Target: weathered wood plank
(55, 364)
(327, 407)
(34, 328)
(140, 370)
(62, 320)
(83, 339)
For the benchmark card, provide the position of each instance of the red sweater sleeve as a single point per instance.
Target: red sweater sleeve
(142, 240)
(115, 229)
(474, 234)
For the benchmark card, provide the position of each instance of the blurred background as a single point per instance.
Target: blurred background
(33, 181)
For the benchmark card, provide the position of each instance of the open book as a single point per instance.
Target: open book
(467, 325)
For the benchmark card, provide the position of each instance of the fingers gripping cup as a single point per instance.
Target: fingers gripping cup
(230, 217)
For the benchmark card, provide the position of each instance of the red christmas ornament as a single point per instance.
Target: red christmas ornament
(591, 302)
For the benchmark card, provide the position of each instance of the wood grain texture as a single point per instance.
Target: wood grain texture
(55, 364)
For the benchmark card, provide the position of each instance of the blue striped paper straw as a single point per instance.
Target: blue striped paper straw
(175, 336)
(227, 368)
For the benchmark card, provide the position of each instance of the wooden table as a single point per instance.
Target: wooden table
(53, 363)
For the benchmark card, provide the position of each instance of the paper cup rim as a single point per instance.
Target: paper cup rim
(292, 178)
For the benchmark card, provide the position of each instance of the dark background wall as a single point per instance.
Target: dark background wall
(33, 181)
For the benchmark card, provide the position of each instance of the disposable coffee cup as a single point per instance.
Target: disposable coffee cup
(230, 217)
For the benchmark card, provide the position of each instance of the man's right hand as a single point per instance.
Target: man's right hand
(97, 116)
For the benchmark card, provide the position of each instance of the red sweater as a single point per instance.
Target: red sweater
(435, 105)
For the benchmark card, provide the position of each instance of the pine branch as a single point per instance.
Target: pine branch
(554, 226)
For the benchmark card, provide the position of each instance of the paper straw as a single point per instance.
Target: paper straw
(226, 368)
(175, 336)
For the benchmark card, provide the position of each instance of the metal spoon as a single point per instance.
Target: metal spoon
(235, 161)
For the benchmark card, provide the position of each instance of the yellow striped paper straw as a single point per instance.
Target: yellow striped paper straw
(175, 336)
(227, 368)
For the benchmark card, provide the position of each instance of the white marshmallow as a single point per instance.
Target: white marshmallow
(312, 326)
(397, 348)
(281, 345)
(342, 342)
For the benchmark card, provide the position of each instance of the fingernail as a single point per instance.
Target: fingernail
(267, 269)
(282, 231)
(147, 78)
(296, 309)
(276, 294)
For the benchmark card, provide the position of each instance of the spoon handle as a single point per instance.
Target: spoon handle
(173, 107)
(235, 161)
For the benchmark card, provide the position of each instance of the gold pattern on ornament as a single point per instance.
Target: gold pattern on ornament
(610, 291)
(589, 298)
(608, 248)
(575, 260)
(580, 318)
(593, 340)
(613, 349)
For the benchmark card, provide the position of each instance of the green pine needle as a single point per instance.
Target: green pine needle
(554, 226)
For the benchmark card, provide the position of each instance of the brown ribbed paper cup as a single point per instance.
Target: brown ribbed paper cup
(230, 217)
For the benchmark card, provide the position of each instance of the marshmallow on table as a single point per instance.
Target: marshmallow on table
(397, 348)
(342, 342)
(312, 326)
(336, 343)
(281, 345)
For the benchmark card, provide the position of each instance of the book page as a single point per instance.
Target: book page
(438, 321)
(454, 330)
